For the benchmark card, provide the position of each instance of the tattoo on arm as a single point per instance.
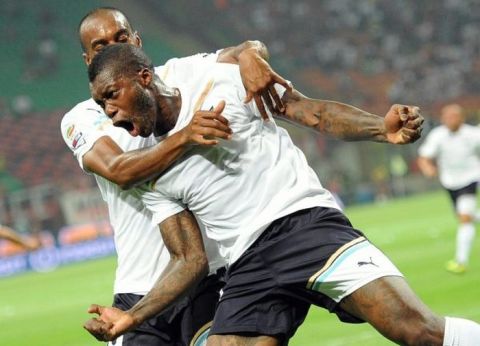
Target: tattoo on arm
(187, 266)
(333, 118)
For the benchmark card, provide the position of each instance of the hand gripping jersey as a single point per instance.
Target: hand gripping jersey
(142, 255)
(237, 188)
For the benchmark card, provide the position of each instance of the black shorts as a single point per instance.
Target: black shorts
(186, 323)
(301, 259)
(470, 189)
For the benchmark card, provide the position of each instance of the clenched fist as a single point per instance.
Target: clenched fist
(403, 124)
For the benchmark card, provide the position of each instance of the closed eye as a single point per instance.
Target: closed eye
(98, 47)
(122, 36)
(123, 39)
(111, 94)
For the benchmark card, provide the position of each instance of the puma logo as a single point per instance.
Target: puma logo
(362, 263)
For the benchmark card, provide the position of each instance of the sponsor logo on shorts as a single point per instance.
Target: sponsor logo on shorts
(335, 260)
(364, 263)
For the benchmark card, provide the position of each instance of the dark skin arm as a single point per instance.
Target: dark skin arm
(401, 125)
(188, 265)
(128, 169)
(232, 55)
(257, 76)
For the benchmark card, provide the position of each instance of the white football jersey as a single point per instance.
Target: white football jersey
(142, 255)
(457, 154)
(237, 188)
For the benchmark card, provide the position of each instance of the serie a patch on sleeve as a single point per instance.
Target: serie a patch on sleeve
(78, 140)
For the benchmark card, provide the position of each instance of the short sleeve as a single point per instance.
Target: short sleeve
(81, 128)
(429, 147)
(161, 206)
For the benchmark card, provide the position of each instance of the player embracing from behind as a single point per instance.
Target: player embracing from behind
(101, 149)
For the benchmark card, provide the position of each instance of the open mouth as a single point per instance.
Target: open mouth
(129, 126)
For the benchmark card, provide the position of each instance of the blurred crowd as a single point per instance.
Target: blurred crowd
(432, 47)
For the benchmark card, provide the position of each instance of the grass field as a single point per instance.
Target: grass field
(38, 309)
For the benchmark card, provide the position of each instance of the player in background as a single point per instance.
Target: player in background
(99, 148)
(451, 151)
(281, 232)
(9, 234)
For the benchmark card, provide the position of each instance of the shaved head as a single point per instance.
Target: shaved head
(101, 13)
(104, 26)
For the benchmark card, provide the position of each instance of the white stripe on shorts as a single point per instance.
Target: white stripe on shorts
(352, 266)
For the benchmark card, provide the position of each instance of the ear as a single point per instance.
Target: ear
(86, 58)
(138, 39)
(146, 76)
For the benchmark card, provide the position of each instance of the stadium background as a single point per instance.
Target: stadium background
(369, 53)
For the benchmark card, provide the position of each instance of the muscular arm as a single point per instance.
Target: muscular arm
(333, 118)
(127, 169)
(188, 265)
(401, 125)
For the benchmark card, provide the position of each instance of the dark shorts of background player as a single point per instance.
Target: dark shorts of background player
(178, 324)
(265, 291)
(470, 189)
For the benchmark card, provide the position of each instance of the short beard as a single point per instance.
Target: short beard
(160, 122)
(144, 107)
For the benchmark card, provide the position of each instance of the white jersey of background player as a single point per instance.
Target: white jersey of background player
(457, 154)
(142, 255)
(452, 151)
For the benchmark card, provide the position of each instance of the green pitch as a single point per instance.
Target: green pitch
(417, 233)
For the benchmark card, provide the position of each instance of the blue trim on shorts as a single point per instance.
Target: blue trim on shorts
(319, 281)
(202, 338)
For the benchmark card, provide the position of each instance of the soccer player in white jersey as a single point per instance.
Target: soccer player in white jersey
(99, 148)
(287, 243)
(452, 151)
